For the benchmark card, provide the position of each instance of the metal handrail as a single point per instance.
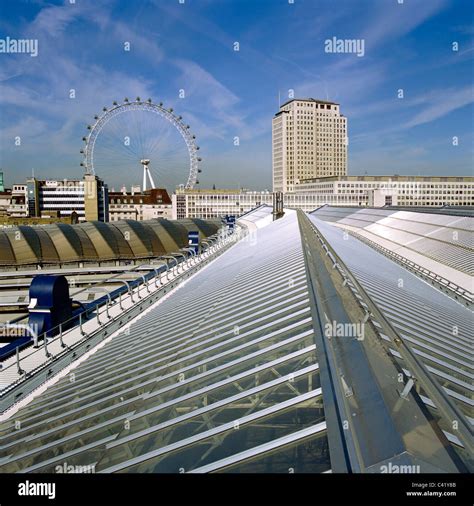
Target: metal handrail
(109, 301)
(170, 258)
(157, 277)
(192, 256)
(401, 259)
(128, 289)
(181, 255)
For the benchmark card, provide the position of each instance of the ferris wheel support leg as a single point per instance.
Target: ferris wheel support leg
(151, 179)
(144, 177)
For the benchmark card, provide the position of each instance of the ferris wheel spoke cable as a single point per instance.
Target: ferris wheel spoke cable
(114, 139)
(151, 133)
(166, 138)
(141, 133)
(156, 141)
(113, 153)
(152, 144)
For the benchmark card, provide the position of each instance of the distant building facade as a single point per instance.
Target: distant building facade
(376, 191)
(216, 203)
(88, 198)
(13, 204)
(138, 205)
(309, 139)
(358, 191)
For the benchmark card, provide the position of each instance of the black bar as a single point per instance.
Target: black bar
(241, 489)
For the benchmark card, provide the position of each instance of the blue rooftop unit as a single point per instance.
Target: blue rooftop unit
(230, 222)
(50, 303)
(193, 241)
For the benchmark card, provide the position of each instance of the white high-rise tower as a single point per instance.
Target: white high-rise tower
(309, 139)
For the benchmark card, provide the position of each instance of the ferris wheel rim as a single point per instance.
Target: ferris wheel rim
(146, 105)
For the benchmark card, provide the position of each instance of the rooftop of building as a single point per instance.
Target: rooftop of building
(151, 196)
(64, 181)
(315, 100)
(395, 177)
(220, 191)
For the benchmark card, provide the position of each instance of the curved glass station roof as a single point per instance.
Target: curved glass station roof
(97, 241)
(234, 370)
(436, 327)
(222, 375)
(444, 238)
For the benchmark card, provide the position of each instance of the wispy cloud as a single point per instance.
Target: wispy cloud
(441, 103)
(217, 103)
(394, 20)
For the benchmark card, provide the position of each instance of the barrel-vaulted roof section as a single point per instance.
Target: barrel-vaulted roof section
(68, 245)
(177, 231)
(97, 241)
(25, 245)
(89, 252)
(48, 252)
(167, 234)
(6, 251)
(107, 239)
(141, 238)
(206, 228)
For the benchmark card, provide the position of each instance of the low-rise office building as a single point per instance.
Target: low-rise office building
(138, 205)
(87, 197)
(217, 203)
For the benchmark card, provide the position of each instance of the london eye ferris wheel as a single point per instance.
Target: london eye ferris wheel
(139, 140)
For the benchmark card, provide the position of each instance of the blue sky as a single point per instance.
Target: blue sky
(190, 46)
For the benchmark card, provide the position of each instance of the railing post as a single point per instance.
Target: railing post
(61, 335)
(157, 278)
(145, 282)
(97, 313)
(138, 291)
(19, 369)
(80, 324)
(46, 352)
